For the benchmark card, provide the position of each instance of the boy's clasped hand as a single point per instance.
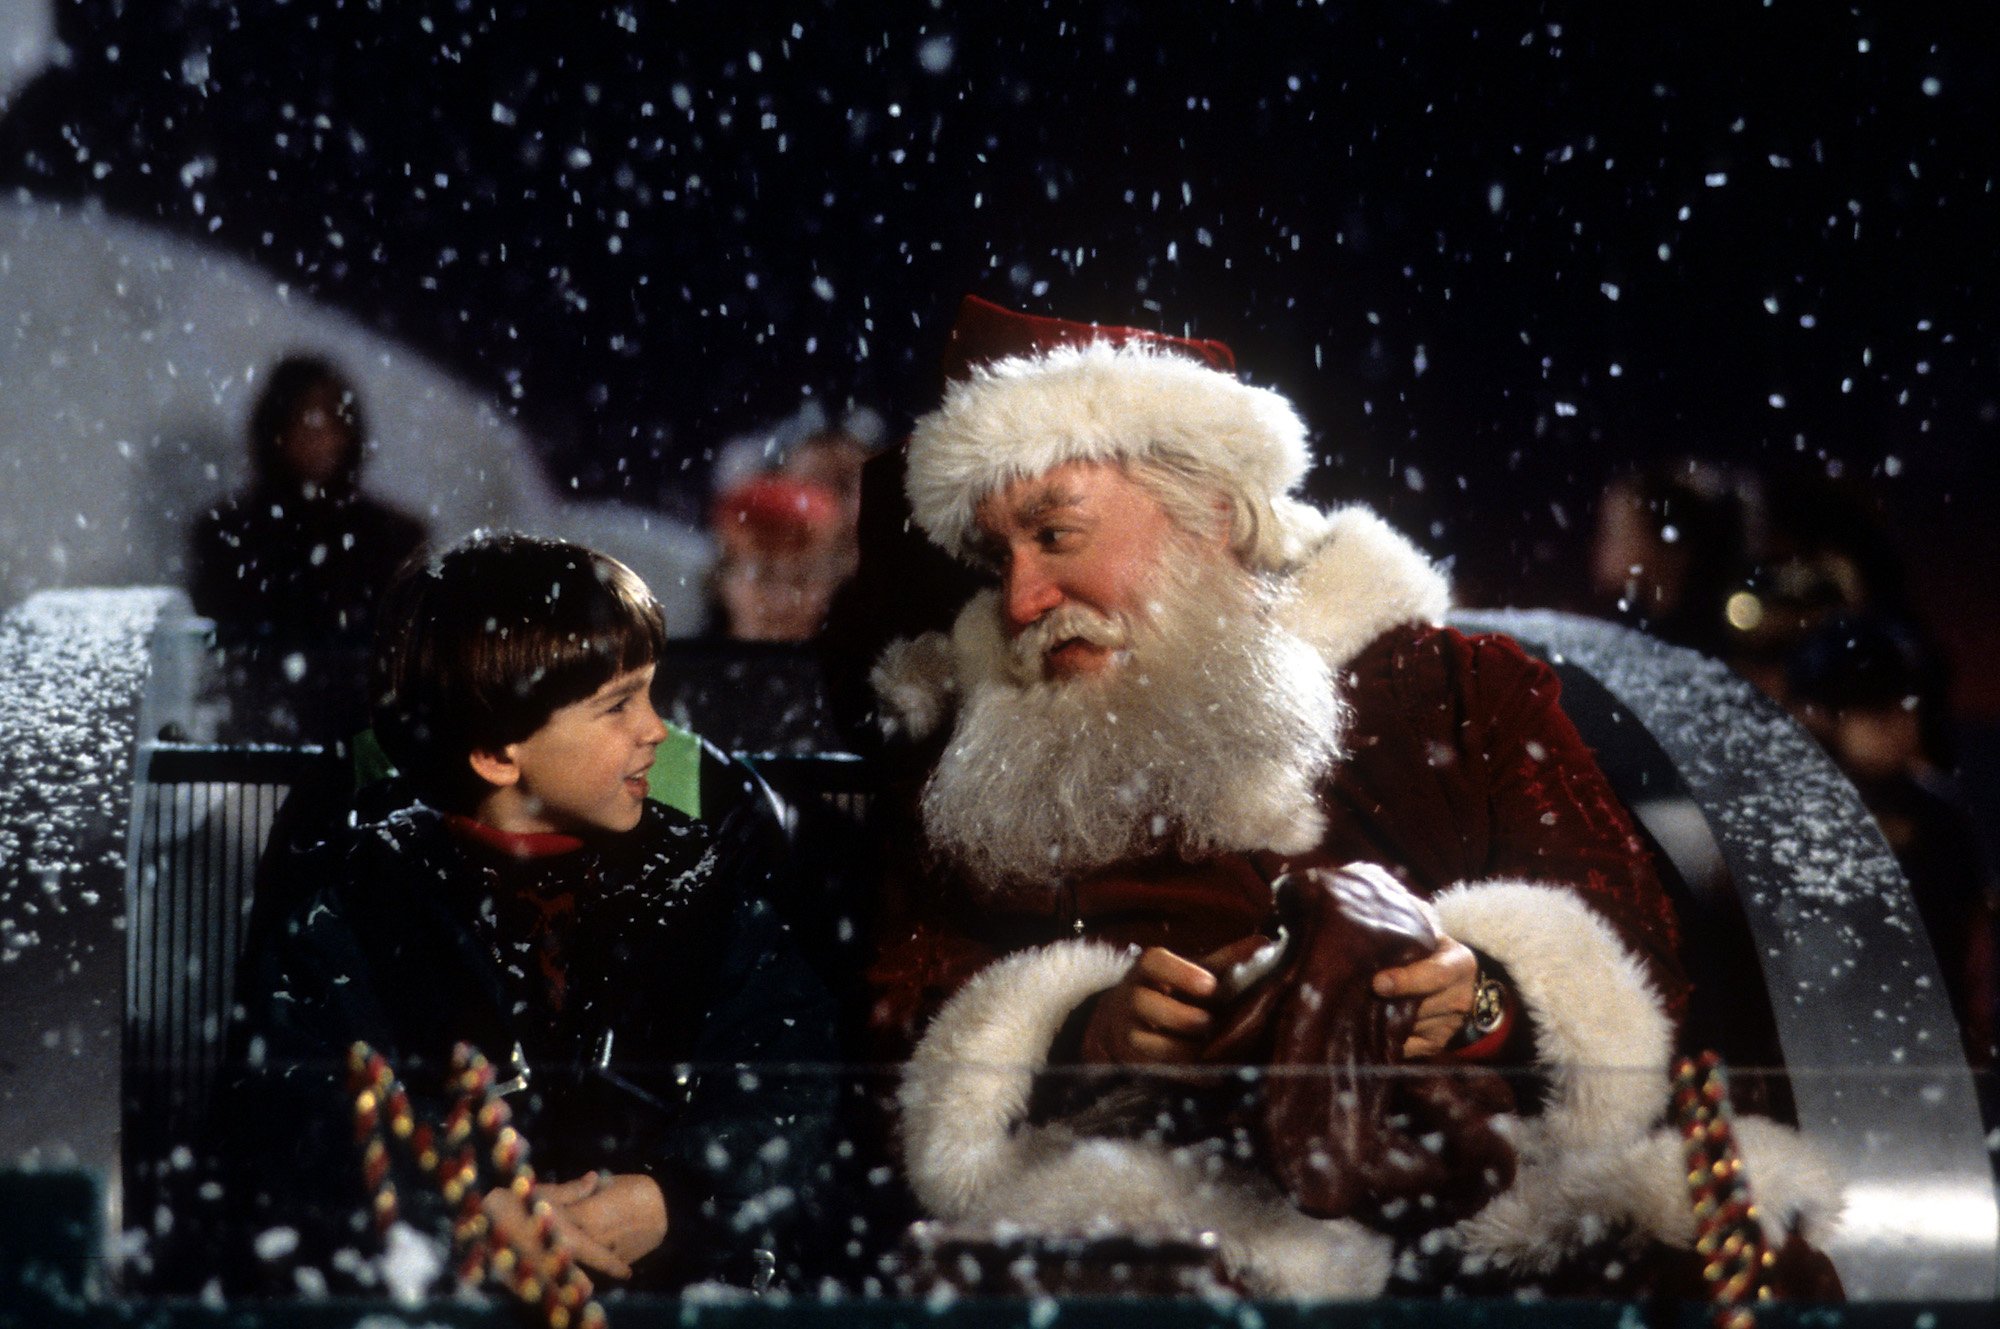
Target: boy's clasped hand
(604, 1220)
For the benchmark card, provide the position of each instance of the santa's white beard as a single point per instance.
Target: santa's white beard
(1210, 731)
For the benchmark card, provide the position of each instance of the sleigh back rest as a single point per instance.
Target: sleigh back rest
(1800, 927)
(201, 815)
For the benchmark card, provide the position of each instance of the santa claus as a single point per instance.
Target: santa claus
(1187, 693)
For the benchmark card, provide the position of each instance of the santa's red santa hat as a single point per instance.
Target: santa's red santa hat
(1025, 394)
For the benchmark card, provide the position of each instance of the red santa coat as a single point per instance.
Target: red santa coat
(1464, 778)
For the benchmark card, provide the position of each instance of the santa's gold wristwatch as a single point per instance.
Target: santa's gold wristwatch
(1489, 1008)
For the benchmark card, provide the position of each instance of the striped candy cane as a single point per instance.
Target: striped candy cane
(474, 1151)
(1735, 1259)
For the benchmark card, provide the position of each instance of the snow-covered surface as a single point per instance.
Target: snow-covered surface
(72, 667)
(27, 42)
(1870, 1044)
(129, 362)
(1803, 849)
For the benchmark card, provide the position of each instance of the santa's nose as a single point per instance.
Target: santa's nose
(1029, 592)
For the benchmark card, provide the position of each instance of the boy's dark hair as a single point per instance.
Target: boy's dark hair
(478, 646)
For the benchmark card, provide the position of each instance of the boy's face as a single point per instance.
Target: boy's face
(584, 770)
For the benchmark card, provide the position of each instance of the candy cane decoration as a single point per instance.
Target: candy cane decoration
(473, 1152)
(369, 1083)
(459, 1177)
(1728, 1237)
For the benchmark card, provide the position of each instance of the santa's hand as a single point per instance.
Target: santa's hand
(1443, 984)
(1155, 1016)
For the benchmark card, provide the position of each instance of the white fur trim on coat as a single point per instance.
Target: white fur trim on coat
(973, 1158)
(1361, 579)
(1024, 415)
(916, 684)
(1597, 1161)
(920, 680)
(1602, 1031)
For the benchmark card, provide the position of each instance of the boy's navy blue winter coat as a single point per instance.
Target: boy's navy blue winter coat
(652, 1031)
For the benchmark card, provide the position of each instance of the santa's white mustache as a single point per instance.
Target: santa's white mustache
(1067, 622)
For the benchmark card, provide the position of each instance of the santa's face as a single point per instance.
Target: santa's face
(1149, 697)
(1077, 548)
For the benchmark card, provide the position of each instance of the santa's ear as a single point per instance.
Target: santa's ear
(1223, 529)
(496, 767)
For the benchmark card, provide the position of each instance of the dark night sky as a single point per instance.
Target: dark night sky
(1491, 249)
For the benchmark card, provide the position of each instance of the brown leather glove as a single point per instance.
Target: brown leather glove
(1344, 1133)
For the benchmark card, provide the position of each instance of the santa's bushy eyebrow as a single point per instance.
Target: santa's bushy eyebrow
(1039, 503)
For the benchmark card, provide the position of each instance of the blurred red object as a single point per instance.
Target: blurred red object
(784, 549)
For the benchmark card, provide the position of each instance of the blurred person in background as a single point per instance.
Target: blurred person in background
(1794, 584)
(300, 557)
(1672, 542)
(807, 445)
(290, 568)
(1737, 564)
(1822, 554)
(1872, 694)
(833, 457)
(784, 547)
(786, 520)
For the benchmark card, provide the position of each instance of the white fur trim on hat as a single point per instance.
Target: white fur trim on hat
(1025, 415)
(973, 1157)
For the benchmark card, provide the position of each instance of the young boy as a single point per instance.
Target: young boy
(522, 893)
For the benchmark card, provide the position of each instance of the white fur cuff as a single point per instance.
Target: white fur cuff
(973, 1159)
(916, 685)
(1597, 1161)
(965, 1092)
(1602, 1032)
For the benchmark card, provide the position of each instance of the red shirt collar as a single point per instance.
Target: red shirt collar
(514, 844)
